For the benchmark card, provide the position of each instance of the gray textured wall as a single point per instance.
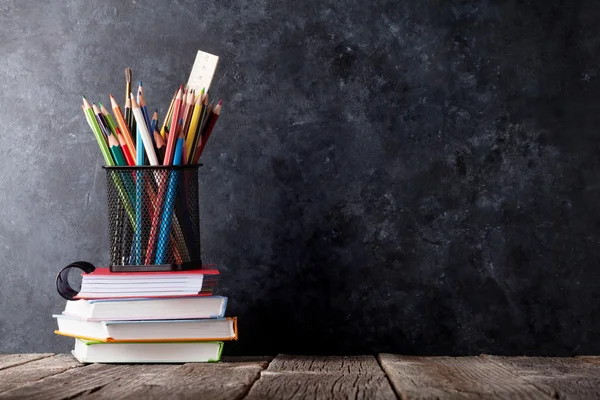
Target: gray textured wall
(417, 177)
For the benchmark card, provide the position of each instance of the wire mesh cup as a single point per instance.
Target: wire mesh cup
(153, 218)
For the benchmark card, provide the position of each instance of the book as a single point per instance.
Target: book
(105, 284)
(87, 351)
(180, 330)
(192, 307)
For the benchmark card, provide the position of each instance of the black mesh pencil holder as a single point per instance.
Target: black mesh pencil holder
(153, 218)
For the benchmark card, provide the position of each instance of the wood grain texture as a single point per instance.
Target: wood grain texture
(300, 377)
(10, 360)
(361, 365)
(22, 374)
(190, 381)
(559, 377)
(590, 359)
(79, 382)
(454, 378)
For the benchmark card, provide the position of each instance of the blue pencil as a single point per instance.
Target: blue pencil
(137, 241)
(167, 218)
(142, 102)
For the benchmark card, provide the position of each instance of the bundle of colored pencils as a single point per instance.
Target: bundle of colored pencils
(135, 137)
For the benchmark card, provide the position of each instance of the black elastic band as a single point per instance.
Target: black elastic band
(62, 279)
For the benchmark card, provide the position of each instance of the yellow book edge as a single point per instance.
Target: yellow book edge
(111, 340)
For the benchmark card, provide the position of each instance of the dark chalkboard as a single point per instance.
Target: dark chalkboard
(391, 176)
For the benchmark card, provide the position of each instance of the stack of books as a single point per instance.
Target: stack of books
(147, 317)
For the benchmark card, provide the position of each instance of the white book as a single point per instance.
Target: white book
(87, 351)
(105, 284)
(148, 331)
(147, 308)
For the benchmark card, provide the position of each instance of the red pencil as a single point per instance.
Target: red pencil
(210, 125)
(173, 135)
(125, 148)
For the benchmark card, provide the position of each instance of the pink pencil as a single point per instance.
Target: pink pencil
(174, 127)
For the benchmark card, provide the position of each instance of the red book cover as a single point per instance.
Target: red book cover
(106, 272)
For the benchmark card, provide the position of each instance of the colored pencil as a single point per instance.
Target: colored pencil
(89, 112)
(128, 76)
(160, 146)
(191, 133)
(101, 121)
(142, 102)
(120, 224)
(200, 133)
(145, 135)
(168, 115)
(154, 121)
(136, 249)
(210, 125)
(173, 128)
(167, 217)
(126, 152)
(108, 118)
(115, 149)
(187, 112)
(129, 118)
(108, 159)
(198, 130)
(206, 115)
(123, 126)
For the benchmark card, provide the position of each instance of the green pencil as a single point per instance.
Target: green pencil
(89, 113)
(115, 149)
(108, 159)
(109, 119)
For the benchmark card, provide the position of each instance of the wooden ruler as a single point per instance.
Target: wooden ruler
(203, 71)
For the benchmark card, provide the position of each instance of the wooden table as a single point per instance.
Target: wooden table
(387, 376)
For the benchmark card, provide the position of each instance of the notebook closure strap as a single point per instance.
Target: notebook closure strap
(62, 279)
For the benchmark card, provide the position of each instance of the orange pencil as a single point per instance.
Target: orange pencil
(189, 109)
(123, 126)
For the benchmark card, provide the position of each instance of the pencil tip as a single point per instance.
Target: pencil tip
(140, 83)
(83, 97)
(220, 102)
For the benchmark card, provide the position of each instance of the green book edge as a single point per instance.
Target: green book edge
(218, 354)
(221, 344)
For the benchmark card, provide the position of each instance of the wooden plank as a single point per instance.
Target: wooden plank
(361, 365)
(19, 375)
(299, 377)
(11, 360)
(454, 378)
(234, 359)
(82, 381)
(190, 381)
(558, 377)
(590, 359)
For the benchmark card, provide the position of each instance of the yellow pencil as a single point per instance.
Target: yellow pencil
(189, 141)
(168, 116)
